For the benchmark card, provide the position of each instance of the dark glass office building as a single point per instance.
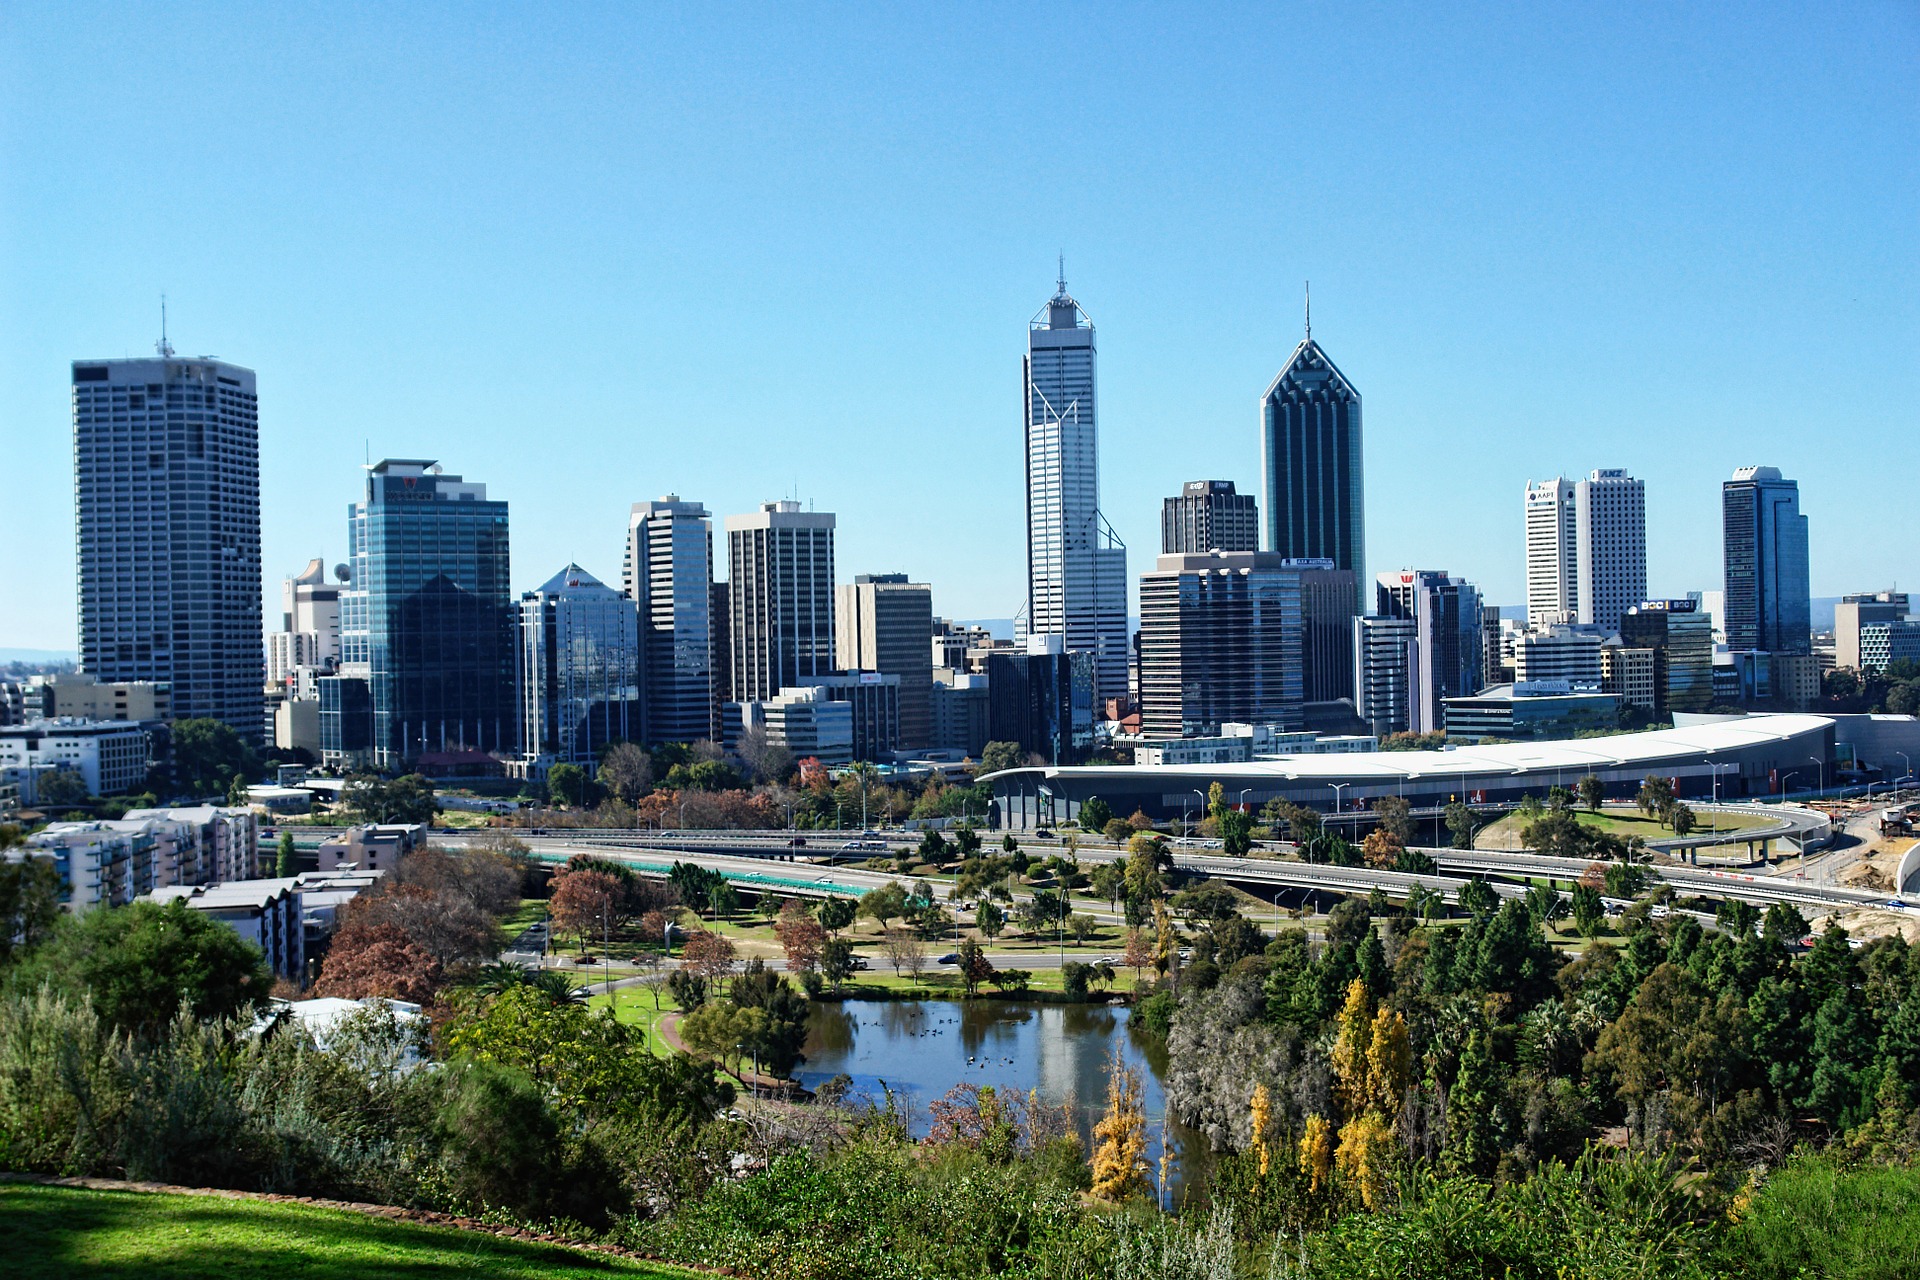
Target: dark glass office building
(1221, 640)
(1209, 515)
(441, 652)
(580, 674)
(1311, 459)
(1768, 604)
(1043, 700)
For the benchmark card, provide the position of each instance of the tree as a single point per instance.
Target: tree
(60, 789)
(1118, 830)
(905, 951)
(801, 936)
(1082, 927)
(888, 902)
(837, 962)
(378, 960)
(1236, 833)
(1681, 818)
(1095, 814)
(708, 955)
(141, 963)
(1592, 792)
(1139, 953)
(1478, 898)
(933, 847)
(989, 919)
(765, 759)
(206, 756)
(1655, 798)
(408, 799)
(835, 914)
(1120, 1138)
(1395, 816)
(723, 900)
(723, 1032)
(1460, 823)
(626, 772)
(1472, 1140)
(1589, 913)
(567, 784)
(29, 899)
(287, 857)
(975, 968)
(1381, 848)
(583, 904)
(996, 757)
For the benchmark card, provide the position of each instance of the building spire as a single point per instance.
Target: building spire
(164, 347)
(1061, 281)
(1309, 311)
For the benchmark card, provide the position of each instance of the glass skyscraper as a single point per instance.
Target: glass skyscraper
(1076, 565)
(429, 618)
(1768, 605)
(579, 669)
(1311, 459)
(166, 484)
(669, 575)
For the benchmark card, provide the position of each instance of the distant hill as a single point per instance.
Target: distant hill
(38, 655)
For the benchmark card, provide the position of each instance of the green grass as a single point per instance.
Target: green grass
(530, 911)
(634, 1006)
(1505, 834)
(55, 1232)
(1813, 1219)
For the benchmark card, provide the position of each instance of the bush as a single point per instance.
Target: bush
(1816, 1218)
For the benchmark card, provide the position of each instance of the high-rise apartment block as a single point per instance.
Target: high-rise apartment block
(1209, 516)
(885, 624)
(1586, 549)
(1312, 463)
(429, 619)
(1386, 655)
(1076, 565)
(669, 575)
(1769, 605)
(780, 599)
(166, 460)
(579, 670)
(1856, 612)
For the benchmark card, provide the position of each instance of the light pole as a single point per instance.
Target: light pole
(1203, 809)
(1791, 773)
(1906, 768)
(1823, 773)
(1338, 787)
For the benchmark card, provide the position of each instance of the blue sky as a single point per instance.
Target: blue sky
(589, 255)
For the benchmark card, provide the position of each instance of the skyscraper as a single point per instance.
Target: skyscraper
(1076, 565)
(1768, 594)
(431, 610)
(1312, 463)
(1448, 662)
(669, 576)
(579, 669)
(1222, 639)
(166, 463)
(780, 599)
(1586, 549)
(1209, 515)
(1680, 640)
(885, 624)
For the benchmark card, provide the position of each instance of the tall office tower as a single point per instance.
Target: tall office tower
(1586, 549)
(1445, 612)
(885, 624)
(430, 575)
(580, 677)
(1553, 593)
(1209, 516)
(669, 576)
(1312, 461)
(1076, 565)
(166, 482)
(1680, 639)
(1864, 609)
(1768, 604)
(780, 599)
(1221, 639)
(1042, 698)
(1611, 520)
(1386, 665)
(1326, 624)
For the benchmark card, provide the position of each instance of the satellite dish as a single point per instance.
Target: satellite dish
(342, 574)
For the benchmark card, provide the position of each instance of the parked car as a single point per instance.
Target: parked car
(952, 957)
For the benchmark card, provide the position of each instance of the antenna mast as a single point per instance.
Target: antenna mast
(164, 347)
(1309, 311)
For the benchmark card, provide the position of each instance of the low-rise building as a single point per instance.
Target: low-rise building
(75, 695)
(960, 711)
(109, 755)
(373, 847)
(1537, 709)
(807, 721)
(266, 913)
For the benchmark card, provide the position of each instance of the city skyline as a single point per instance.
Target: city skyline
(555, 320)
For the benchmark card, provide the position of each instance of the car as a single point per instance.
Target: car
(1899, 904)
(1660, 912)
(952, 957)
(823, 879)
(871, 835)
(1109, 960)
(860, 962)
(797, 842)
(1043, 833)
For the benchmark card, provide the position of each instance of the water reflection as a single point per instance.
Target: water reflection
(920, 1049)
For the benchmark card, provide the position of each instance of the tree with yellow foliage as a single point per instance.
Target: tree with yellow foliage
(1316, 1152)
(1351, 1074)
(1364, 1159)
(1120, 1150)
(1389, 1063)
(1261, 1119)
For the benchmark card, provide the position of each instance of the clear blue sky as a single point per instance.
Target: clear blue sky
(592, 254)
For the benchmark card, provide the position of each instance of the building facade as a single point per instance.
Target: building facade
(1312, 463)
(579, 670)
(1768, 597)
(669, 575)
(1209, 515)
(1860, 610)
(1883, 643)
(1553, 557)
(885, 623)
(441, 651)
(1076, 565)
(109, 756)
(1586, 549)
(1681, 639)
(780, 599)
(1042, 699)
(166, 461)
(1385, 672)
(75, 695)
(1534, 709)
(1558, 653)
(1447, 658)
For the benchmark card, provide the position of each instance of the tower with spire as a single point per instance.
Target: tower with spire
(1076, 566)
(1312, 460)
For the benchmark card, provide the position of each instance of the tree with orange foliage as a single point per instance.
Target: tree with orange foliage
(1381, 848)
(707, 955)
(378, 960)
(801, 936)
(584, 903)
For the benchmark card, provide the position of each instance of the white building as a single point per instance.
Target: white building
(668, 573)
(1076, 565)
(780, 599)
(807, 722)
(1385, 672)
(110, 863)
(267, 913)
(1586, 549)
(109, 755)
(1558, 653)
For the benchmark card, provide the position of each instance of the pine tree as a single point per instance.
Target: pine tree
(1470, 1129)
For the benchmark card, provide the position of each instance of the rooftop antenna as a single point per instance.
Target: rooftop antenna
(1309, 311)
(164, 347)
(1061, 281)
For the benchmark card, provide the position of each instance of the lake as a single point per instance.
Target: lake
(922, 1048)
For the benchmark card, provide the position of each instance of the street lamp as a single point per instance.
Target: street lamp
(1906, 767)
(1338, 787)
(1823, 772)
(1789, 774)
(1203, 808)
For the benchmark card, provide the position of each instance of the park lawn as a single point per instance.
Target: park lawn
(635, 1007)
(1505, 834)
(56, 1232)
(530, 911)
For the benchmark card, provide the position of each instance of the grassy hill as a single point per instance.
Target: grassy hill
(58, 1232)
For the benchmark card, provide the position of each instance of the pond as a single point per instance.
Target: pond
(921, 1048)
